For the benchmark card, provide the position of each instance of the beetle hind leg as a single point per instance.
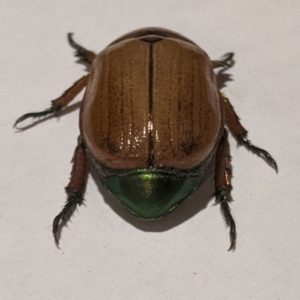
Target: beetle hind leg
(223, 187)
(84, 55)
(60, 102)
(233, 122)
(74, 191)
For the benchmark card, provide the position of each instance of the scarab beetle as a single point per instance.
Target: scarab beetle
(151, 120)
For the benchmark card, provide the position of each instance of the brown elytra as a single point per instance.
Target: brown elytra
(152, 103)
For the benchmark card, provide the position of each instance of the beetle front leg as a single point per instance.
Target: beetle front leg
(233, 122)
(74, 190)
(223, 186)
(60, 102)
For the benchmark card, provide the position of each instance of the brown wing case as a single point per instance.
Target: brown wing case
(115, 110)
(186, 108)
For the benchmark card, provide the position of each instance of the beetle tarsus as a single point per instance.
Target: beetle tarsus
(74, 198)
(260, 152)
(43, 113)
(83, 54)
(226, 61)
(223, 200)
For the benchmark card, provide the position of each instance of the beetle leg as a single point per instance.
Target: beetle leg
(223, 186)
(83, 54)
(60, 102)
(225, 62)
(74, 190)
(233, 122)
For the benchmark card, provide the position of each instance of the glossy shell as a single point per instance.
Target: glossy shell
(151, 102)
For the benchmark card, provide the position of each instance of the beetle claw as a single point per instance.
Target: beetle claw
(58, 224)
(228, 59)
(64, 216)
(223, 200)
(258, 151)
(57, 227)
(73, 44)
(232, 246)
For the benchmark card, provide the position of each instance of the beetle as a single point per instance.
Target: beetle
(151, 121)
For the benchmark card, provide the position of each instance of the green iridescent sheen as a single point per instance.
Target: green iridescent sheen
(152, 193)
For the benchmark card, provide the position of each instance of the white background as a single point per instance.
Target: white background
(106, 253)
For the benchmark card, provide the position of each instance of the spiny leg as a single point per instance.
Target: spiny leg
(60, 102)
(74, 190)
(83, 54)
(233, 122)
(225, 62)
(223, 186)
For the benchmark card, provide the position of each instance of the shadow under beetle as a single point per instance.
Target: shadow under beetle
(151, 120)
